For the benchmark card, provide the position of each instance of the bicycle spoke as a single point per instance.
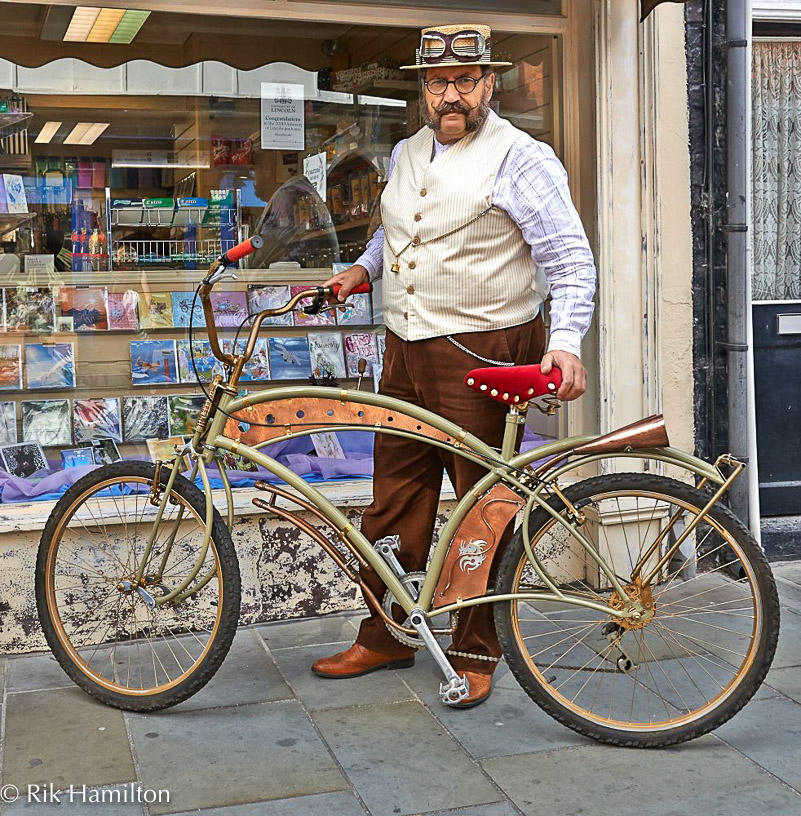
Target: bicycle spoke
(119, 640)
(668, 668)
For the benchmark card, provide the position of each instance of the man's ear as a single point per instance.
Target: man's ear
(490, 80)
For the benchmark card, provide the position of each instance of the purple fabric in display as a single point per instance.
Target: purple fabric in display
(296, 454)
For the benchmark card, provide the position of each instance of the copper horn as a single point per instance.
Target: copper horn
(645, 433)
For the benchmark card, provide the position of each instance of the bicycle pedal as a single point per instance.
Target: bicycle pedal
(455, 690)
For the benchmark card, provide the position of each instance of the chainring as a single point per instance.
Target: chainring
(413, 583)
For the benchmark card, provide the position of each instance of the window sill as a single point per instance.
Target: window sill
(28, 516)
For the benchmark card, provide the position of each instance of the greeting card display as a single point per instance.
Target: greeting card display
(47, 422)
(50, 365)
(378, 366)
(123, 308)
(182, 306)
(86, 306)
(29, 308)
(327, 446)
(360, 346)
(257, 367)
(230, 308)
(325, 317)
(16, 200)
(234, 461)
(289, 358)
(269, 297)
(23, 459)
(10, 367)
(155, 310)
(77, 457)
(206, 364)
(145, 418)
(164, 449)
(184, 409)
(356, 312)
(153, 362)
(105, 451)
(8, 423)
(326, 354)
(96, 419)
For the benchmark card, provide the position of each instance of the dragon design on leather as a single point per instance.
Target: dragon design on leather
(472, 554)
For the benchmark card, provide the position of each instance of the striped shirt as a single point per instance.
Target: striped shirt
(532, 188)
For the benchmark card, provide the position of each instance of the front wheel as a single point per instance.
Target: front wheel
(692, 662)
(105, 629)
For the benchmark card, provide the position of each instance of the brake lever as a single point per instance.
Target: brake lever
(316, 305)
(220, 274)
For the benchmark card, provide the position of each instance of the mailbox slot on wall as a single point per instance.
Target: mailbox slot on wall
(788, 323)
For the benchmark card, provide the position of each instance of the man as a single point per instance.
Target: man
(477, 226)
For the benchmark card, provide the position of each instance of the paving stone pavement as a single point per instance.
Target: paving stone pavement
(268, 738)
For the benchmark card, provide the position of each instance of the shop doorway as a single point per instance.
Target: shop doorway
(776, 274)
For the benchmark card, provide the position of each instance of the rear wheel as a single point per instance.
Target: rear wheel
(105, 630)
(699, 653)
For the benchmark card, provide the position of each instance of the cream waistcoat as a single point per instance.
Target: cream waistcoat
(480, 278)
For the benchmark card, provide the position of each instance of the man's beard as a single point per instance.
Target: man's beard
(474, 118)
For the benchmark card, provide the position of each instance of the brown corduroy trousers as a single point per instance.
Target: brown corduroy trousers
(408, 475)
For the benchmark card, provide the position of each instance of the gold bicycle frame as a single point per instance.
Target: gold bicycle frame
(538, 486)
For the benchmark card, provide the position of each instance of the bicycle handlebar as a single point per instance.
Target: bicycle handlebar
(231, 256)
(361, 289)
(236, 253)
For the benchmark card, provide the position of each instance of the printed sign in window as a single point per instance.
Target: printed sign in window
(282, 116)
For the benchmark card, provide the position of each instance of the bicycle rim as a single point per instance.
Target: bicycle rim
(675, 668)
(108, 629)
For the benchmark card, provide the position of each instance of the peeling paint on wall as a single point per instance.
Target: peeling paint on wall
(284, 573)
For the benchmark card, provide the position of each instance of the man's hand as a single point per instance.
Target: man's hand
(349, 279)
(574, 375)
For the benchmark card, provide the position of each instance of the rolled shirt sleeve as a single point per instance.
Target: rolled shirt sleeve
(532, 188)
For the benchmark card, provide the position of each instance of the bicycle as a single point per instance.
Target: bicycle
(631, 607)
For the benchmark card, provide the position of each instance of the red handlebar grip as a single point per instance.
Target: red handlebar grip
(361, 289)
(244, 249)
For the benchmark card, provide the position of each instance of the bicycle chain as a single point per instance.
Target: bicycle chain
(408, 641)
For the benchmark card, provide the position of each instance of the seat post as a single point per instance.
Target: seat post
(514, 419)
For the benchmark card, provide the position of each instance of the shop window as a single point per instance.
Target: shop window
(121, 184)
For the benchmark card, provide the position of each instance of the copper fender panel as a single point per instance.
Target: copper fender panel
(466, 570)
(292, 415)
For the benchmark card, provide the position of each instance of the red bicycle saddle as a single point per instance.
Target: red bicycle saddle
(514, 384)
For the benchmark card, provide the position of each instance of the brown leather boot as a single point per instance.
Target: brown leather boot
(480, 689)
(356, 661)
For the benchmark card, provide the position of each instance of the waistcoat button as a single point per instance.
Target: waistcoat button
(423, 191)
(405, 315)
(417, 216)
(415, 240)
(410, 289)
(412, 264)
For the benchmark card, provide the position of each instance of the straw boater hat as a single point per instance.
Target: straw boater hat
(454, 45)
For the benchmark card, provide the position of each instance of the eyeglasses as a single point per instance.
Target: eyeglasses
(463, 45)
(463, 84)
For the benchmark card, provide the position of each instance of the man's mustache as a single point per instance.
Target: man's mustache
(452, 107)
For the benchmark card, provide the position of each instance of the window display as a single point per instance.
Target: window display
(104, 238)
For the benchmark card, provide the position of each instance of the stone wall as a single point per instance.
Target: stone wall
(284, 573)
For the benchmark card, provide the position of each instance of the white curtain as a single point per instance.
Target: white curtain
(777, 171)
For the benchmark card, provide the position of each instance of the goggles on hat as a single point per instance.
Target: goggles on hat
(463, 46)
